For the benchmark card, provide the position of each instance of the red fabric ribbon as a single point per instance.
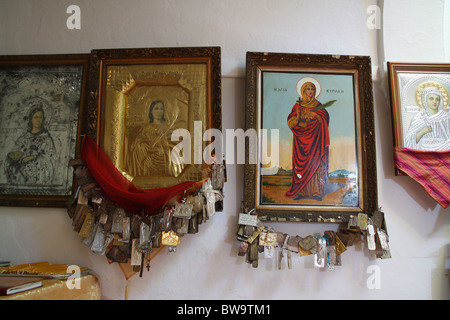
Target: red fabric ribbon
(121, 190)
(429, 168)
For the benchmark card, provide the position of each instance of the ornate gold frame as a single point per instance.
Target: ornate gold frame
(360, 68)
(187, 79)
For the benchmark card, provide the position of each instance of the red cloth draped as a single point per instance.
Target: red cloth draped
(429, 168)
(122, 191)
(310, 148)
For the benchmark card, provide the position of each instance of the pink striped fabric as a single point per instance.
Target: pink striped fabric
(429, 168)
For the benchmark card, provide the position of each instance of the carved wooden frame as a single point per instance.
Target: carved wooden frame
(360, 66)
(102, 59)
(62, 64)
(404, 80)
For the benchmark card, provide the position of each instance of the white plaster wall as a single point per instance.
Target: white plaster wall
(206, 265)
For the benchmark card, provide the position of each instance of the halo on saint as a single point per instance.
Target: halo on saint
(427, 84)
(308, 79)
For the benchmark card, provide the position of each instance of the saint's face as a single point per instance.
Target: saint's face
(310, 93)
(158, 112)
(433, 101)
(37, 120)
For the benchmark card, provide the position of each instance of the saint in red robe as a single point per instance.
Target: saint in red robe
(310, 149)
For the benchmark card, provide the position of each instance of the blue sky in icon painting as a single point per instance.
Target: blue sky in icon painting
(279, 95)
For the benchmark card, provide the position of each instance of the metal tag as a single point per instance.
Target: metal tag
(255, 234)
(289, 259)
(331, 257)
(302, 252)
(352, 222)
(97, 198)
(210, 203)
(330, 235)
(88, 223)
(377, 219)
(117, 241)
(126, 229)
(88, 241)
(183, 210)
(384, 241)
(198, 203)
(280, 258)
(307, 243)
(248, 219)
(80, 213)
(362, 221)
(170, 238)
(269, 252)
(136, 256)
(349, 236)
(268, 239)
(340, 247)
(184, 228)
(218, 177)
(210, 196)
(248, 231)
(292, 243)
(117, 223)
(99, 238)
(320, 256)
(144, 233)
(166, 224)
(371, 237)
(101, 242)
(82, 199)
(102, 215)
(253, 254)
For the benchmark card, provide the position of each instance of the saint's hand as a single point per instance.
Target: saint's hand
(422, 132)
(27, 159)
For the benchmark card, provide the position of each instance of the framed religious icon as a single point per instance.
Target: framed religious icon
(419, 99)
(139, 102)
(314, 160)
(41, 100)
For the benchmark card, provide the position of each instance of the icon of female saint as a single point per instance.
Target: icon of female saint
(150, 148)
(308, 122)
(430, 127)
(32, 161)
